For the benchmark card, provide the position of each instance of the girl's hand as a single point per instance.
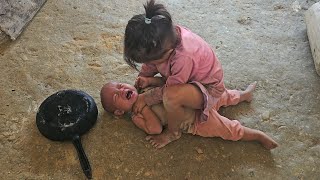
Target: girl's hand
(142, 82)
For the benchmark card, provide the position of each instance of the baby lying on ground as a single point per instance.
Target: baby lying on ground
(119, 98)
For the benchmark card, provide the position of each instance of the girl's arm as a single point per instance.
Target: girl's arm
(148, 70)
(156, 81)
(144, 82)
(180, 74)
(148, 121)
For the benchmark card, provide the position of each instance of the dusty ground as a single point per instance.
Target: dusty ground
(78, 44)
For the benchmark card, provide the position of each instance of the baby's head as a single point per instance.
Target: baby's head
(149, 36)
(118, 98)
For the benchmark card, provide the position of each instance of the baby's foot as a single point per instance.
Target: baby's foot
(247, 95)
(161, 140)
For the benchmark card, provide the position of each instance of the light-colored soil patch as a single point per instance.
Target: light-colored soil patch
(78, 45)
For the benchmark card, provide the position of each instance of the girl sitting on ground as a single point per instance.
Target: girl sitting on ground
(178, 54)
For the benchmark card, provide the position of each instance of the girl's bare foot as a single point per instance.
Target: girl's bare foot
(247, 95)
(256, 135)
(267, 141)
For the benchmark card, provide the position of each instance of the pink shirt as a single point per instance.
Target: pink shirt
(192, 60)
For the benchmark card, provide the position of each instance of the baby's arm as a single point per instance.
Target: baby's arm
(148, 121)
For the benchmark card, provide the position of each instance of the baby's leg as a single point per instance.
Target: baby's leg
(256, 135)
(175, 100)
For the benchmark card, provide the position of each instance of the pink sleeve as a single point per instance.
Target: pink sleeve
(148, 70)
(180, 74)
(180, 71)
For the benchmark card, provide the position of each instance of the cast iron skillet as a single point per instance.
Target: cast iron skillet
(66, 115)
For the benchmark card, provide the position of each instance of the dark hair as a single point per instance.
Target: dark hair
(146, 41)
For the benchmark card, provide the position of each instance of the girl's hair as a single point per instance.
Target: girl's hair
(148, 35)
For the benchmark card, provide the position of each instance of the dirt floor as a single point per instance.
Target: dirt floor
(78, 45)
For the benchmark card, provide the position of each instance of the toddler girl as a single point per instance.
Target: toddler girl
(179, 55)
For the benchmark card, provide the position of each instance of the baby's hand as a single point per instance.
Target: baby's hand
(141, 82)
(139, 105)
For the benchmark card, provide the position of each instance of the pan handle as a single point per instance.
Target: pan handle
(85, 165)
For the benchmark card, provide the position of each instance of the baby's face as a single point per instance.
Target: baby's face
(121, 96)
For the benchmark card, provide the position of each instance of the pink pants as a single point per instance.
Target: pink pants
(217, 125)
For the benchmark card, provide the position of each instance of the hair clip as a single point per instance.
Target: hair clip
(147, 20)
(159, 16)
(154, 43)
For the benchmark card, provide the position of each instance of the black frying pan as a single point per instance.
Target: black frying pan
(66, 115)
